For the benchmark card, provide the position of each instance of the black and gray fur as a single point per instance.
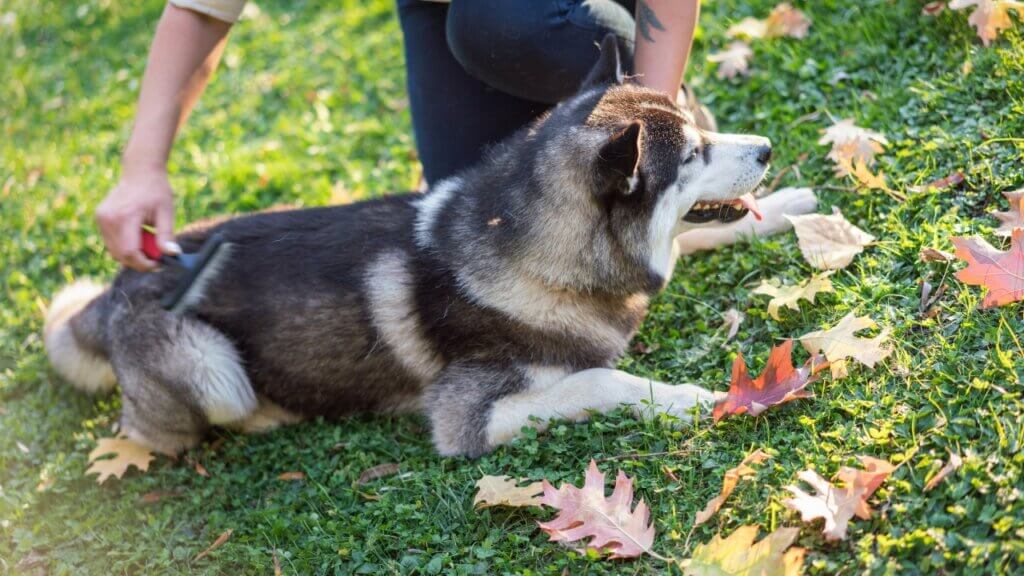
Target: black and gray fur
(505, 292)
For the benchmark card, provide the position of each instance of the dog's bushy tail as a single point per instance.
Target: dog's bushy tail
(73, 332)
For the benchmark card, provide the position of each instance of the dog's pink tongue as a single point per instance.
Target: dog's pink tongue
(748, 202)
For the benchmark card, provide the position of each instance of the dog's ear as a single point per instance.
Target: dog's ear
(608, 70)
(618, 161)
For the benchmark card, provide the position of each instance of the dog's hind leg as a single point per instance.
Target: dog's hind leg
(475, 408)
(774, 208)
(178, 376)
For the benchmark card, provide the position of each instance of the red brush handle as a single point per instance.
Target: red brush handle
(149, 247)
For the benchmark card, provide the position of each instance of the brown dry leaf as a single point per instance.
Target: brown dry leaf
(216, 544)
(197, 466)
(789, 296)
(785, 20)
(1012, 218)
(731, 319)
(948, 468)
(504, 491)
(836, 505)
(852, 143)
(839, 343)
(933, 8)
(829, 242)
(732, 478)
(610, 523)
(738, 555)
(870, 478)
(377, 472)
(935, 255)
(158, 495)
(989, 16)
(954, 179)
(733, 61)
(291, 476)
(277, 565)
(126, 454)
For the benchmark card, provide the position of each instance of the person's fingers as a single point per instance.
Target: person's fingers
(165, 228)
(129, 245)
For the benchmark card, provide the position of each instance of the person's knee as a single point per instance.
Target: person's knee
(478, 33)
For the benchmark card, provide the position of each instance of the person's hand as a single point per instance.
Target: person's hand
(143, 196)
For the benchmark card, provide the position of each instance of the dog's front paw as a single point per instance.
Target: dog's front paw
(788, 201)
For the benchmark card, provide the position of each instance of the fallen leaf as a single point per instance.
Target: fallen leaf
(277, 565)
(839, 343)
(935, 255)
(609, 522)
(158, 495)
(870, 478)
(734, 61)
(851, 143)
(126, 454)
(732, 478)
(216, 544)
(197, 466)
(504, 491)
(989, 17)
(865, 179)
(835, 505)
(291, 476)
(1001, 272)
(738, 555)
(789, 296)
(933, 8)
(1014, 217)
(779, 383)
(954, 179)
(784, 20)
(377, 472)
(829, 242)
(749, 27)
(731, 319)
(948, 468)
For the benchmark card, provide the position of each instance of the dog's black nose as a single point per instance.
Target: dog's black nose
(764, 154)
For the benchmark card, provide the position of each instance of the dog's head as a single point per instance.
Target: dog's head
(645, 164)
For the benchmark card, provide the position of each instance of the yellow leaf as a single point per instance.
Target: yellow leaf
(504, 491)
(789, 296)
(126, 454)
(839, 343)
(737, 555)
(989, 17)
(852, 143)
(829, 242)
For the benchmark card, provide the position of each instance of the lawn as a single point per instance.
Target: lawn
(309, 109)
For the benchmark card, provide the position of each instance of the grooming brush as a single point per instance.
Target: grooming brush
(195, 269)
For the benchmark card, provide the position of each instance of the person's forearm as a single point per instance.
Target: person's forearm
(184, 54)
(664, 34)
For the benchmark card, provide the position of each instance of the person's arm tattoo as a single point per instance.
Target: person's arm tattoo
(647, 19)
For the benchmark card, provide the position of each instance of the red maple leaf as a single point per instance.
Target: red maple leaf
(1001, 272)
(780, 382)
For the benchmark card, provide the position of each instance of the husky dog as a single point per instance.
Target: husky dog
(504, 294)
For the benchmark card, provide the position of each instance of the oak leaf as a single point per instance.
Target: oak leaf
(1014, 217)
(1001, 272)
(738, 555)
(829, 242)
(732, 478)
(609, 522)
(870, 478)
(948, 468)
(839, 343)
(835, 505)
(989, 17)
(779, 383)
(126, 454)
(505, 491)
(733, 61)
(789, 296)
(851, 143)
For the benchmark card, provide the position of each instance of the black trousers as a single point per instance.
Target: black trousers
(478, 70)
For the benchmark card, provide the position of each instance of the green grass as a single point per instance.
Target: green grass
(309, 108)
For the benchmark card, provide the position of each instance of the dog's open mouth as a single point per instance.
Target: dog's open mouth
(728, 211)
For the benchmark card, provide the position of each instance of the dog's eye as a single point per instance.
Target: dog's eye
(692, 155)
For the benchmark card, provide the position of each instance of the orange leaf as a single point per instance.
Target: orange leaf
(1014, 217)
(989, 17)
(835, 505)
(291, 476)
(875, 472)
(216, 544)
(780, 382)
(732, 478)
(1001, 272)
(609, 522)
